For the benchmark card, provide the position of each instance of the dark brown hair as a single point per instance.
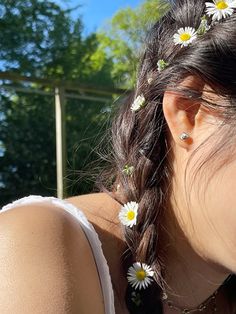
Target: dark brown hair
(140, 139)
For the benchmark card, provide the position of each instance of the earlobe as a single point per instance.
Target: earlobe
(181, 112)
(179, 122)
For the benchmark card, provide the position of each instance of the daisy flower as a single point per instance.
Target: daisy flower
(128, 214)
(138, 103)
(161, 65)
(220, 9)
(185, 36)
(139, 275)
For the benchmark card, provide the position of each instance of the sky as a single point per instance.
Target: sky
(96, 12)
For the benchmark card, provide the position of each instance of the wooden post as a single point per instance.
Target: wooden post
(60, 141)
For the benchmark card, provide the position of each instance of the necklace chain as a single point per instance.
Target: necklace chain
(199, 308)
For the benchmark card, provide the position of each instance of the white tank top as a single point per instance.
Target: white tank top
(101, 262)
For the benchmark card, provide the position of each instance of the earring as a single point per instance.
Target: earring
(184, 136)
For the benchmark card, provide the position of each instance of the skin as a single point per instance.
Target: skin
(201, 238)
(198, 236)
(46, 263)
(102, 211)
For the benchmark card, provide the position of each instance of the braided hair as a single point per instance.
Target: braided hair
(142, 139)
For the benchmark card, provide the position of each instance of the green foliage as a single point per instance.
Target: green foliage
(32, 34)
(27, 131)
(28, 164)
(122, 39)
(86, 125)
(38, 38)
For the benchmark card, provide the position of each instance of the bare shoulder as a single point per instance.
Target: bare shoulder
(46, 264)
(101, 210)
(36, 219)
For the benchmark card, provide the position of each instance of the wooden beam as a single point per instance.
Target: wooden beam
(70, 85)
(29, 90)
(61, 155)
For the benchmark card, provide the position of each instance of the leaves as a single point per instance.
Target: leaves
(39, 38)
(123, 38)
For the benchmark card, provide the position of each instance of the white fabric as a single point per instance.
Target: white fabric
(92, 236)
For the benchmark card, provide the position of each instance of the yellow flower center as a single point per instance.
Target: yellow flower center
(221, 5)
(141, 274)
(130, 215)
(185, 36)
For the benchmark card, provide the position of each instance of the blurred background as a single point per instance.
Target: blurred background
(65, 66)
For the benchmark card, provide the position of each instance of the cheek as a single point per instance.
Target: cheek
(222, 205)
(215, 217)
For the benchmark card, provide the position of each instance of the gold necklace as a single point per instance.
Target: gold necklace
(200, 308)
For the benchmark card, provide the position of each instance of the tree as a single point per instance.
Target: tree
(122, 39)
(38, 38)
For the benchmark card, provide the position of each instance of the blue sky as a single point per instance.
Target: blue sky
(96, 12)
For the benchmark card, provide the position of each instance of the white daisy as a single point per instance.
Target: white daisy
(128, 214)
(185, 36)
(139, 275)
(220, 9)
(138, 103)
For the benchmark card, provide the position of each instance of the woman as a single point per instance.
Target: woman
(167, 222)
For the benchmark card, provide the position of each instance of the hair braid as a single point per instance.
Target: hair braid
(141, 139)
(144, 146)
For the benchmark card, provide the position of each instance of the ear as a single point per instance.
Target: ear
(184, 114)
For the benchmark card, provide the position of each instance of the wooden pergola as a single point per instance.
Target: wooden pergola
(61, 90)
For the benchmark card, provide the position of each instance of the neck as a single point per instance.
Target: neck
(190, 278)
